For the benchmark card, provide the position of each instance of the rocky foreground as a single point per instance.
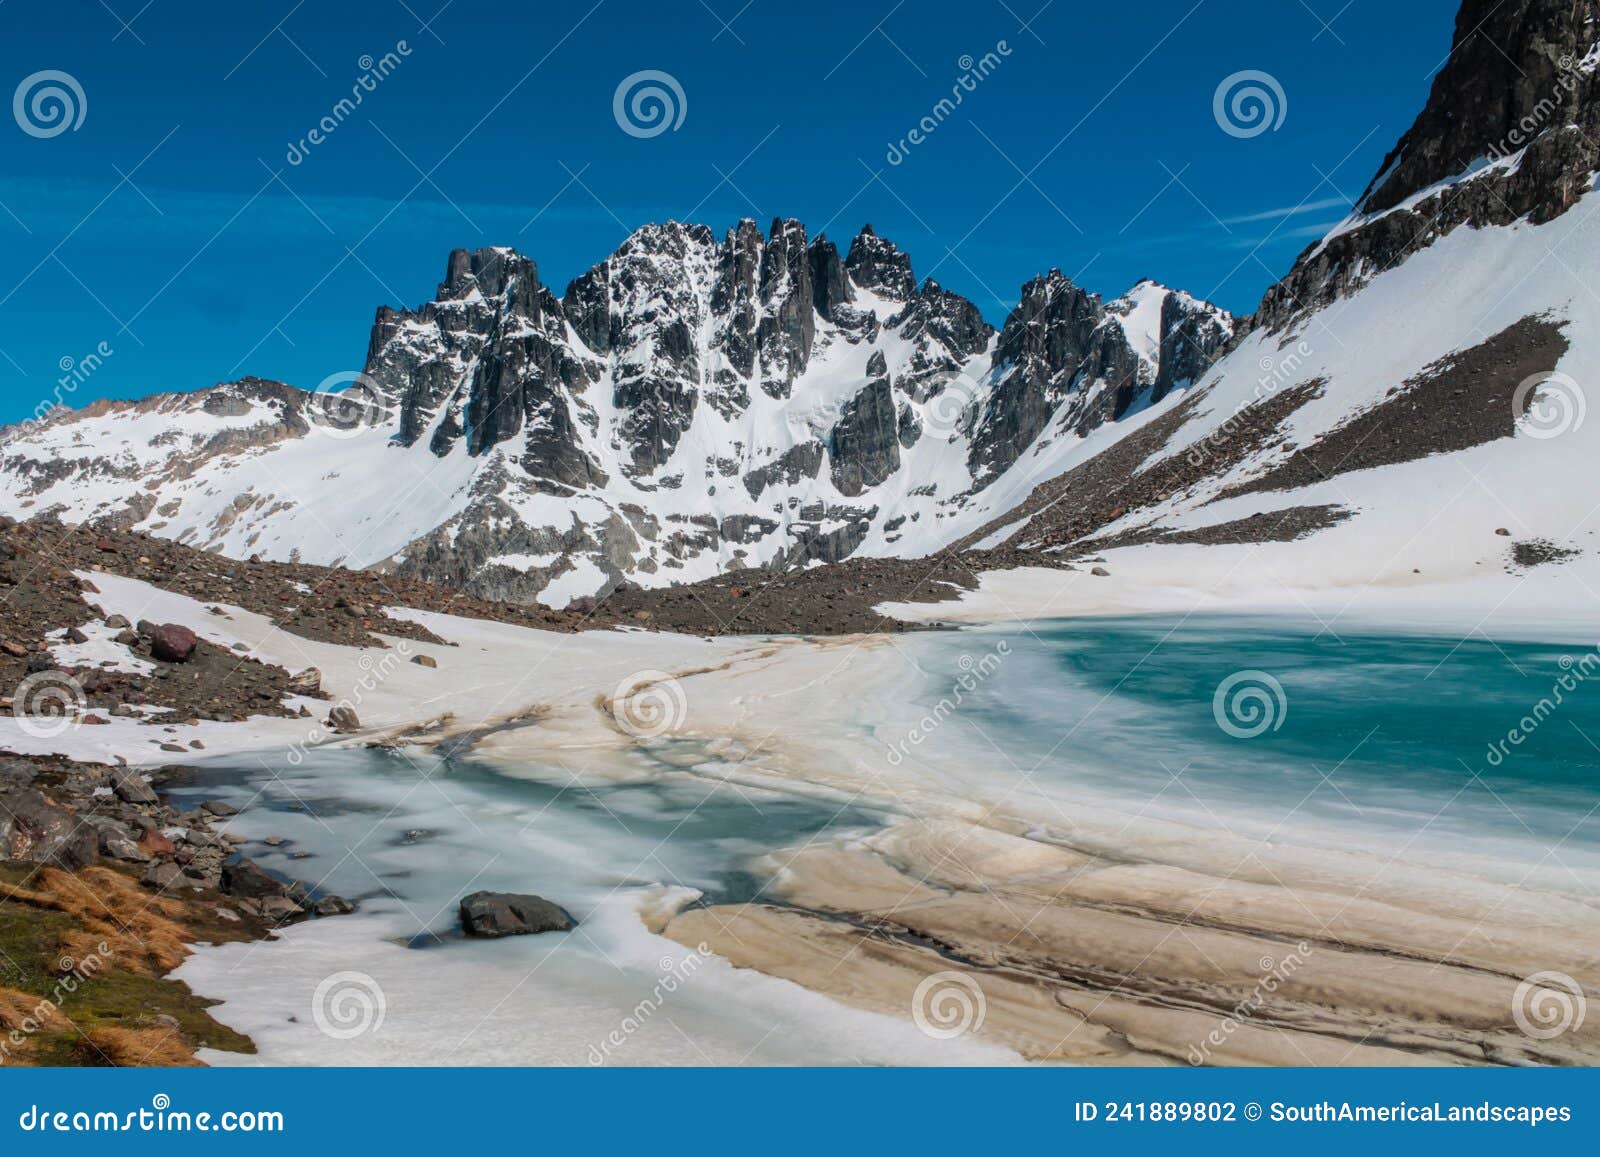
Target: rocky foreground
(104, 885)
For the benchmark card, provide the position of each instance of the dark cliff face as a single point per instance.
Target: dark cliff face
(1065, 357)
(1513, 63)
(1518, 81)
(487, 357)
(864, 448)
(1193, 336)
(1040, 349)
(876, 263)
(830, 288)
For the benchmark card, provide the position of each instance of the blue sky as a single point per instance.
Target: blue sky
(171, 226)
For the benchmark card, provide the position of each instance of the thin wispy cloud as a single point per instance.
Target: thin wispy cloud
(1313, 232)
(1290, 211)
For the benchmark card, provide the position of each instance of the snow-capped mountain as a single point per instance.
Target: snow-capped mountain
(1408, 406)
(689, 405)
(1410, 394)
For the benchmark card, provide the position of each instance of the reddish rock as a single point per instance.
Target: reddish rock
(172, 643)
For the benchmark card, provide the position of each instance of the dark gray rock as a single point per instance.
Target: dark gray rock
(496, 914)
(333, 906)
(245, 877)
(131, 787)
(876, 263)
(163, 877)
(830, 287)
(1042, 345)
(36, 830)
(864, 445)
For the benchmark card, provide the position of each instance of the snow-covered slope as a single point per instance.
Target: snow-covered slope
(1409, 407)
(689, 405)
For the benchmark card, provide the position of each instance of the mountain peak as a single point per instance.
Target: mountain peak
(1518, 70)
(1511, 131)
(878, 264)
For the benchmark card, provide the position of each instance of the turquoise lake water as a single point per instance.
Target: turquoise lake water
(1358, 729)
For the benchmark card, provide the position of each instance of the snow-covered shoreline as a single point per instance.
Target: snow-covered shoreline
(803, 719)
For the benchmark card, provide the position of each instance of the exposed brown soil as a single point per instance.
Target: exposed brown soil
(1459, 402)
(1268, 526)
(1096, 493)
(838, 599)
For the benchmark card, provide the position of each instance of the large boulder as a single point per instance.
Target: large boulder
(495, 914)
(131, 787)
(172, 642)
(33, 830)
(248, 879)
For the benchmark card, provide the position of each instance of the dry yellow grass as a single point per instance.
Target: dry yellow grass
(137, 928)
(136, 1048)
(20, 1010)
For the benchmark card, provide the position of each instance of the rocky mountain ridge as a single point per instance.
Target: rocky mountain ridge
(689, 405)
